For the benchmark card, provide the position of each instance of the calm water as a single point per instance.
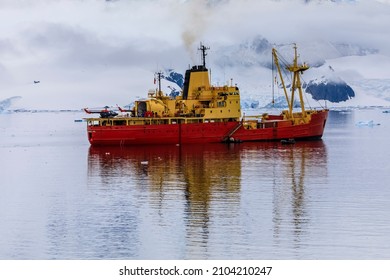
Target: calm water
(61, 199)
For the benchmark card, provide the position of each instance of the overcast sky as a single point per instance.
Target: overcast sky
(91, 52)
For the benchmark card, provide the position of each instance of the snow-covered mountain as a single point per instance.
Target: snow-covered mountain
(332, 91)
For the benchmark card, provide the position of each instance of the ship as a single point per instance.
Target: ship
(205, 113)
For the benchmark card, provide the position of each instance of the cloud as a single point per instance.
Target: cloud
(91, 49)
(288, 21)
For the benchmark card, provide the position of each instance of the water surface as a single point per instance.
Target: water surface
(62, 199)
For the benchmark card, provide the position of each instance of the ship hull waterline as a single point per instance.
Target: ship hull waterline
(199, 133)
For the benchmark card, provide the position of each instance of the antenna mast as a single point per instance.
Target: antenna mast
(203, 49)
(159, 92)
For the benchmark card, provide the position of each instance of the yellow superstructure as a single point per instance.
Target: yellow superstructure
(199, 99)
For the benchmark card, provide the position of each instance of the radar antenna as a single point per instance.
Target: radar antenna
(203, 48)
(159, 76)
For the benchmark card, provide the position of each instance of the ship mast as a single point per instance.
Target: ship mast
(296, 69)
(203, 49)
(159, 92)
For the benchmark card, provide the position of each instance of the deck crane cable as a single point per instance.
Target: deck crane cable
(274, 82)
(285, 63)
(305, 93)
(288, 76)
(309, 91)
(307, 99)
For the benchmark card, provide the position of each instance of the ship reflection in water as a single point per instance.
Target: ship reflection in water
(216, 201)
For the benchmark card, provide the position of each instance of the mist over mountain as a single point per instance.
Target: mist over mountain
(258, 51)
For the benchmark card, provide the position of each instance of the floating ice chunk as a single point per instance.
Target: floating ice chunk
(366, 123)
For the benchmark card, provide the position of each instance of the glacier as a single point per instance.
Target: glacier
(5, 104)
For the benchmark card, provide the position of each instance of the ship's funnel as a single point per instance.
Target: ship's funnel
(195, 78)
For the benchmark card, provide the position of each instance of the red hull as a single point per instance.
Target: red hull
(314, 129)
(212, 132)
